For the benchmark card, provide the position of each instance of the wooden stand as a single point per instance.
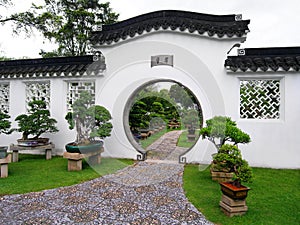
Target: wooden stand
(232, 207)
(75, 159)
(16, 148)
(4, 166)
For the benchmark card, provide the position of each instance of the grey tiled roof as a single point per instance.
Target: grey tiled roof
(213, 25)
(265, 59)
(88, 65)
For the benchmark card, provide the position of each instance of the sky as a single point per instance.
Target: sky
(273, 23)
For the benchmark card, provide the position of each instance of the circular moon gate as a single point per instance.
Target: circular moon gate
(163, 108)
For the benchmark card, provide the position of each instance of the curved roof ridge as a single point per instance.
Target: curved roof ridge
(214, 25)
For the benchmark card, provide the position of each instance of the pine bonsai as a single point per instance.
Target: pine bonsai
(5, 124)
(225, 130)
(36, 122)
(5, 129)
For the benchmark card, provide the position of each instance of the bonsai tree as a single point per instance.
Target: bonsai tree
(5, 124)
(225, 130)
(90, 121)
(191, 120)
(37, 121)
(229, 159)
(5, 129)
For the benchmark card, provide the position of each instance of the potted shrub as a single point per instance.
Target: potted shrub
(234, 193)
(229, 159)
(92, 123)
(5, 129)
(221, 130)
(191, 121)
(35, 123)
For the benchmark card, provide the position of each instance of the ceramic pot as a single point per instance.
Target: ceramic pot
(83, 149)
(234, 192)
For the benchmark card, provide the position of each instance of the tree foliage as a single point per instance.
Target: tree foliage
(4, 123)
(229, 159)
(90, 121)
(5, 3)
(166, 104)
(37, 121)
(224, 129)
(68, 23)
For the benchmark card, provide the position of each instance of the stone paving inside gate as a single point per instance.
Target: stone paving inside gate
(165, 148)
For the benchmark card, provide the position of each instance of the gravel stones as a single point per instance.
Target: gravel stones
(144, 193)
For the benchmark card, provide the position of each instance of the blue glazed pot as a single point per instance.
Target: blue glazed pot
(83, 149)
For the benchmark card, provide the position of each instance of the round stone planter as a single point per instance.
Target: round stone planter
(3, 152)
(84, 149)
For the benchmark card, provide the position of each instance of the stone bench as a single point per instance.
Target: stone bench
(75, 159)
(4, 166)
(16, 148)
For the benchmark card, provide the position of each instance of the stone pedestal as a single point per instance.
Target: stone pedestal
(232, 207)
(16, 148)
(4, 166)
(75, 159)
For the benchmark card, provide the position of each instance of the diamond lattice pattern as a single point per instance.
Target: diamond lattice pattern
(4, 98)
(75, 88)
(38, 91)
(260, 99)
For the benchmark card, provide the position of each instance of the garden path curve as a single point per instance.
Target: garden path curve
(144, 193)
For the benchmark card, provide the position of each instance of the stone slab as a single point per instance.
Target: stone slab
(75, 159)
(232, 202)
(4, 166)
(16, 148)
(74, 165)
(233, 211)
(6, 160)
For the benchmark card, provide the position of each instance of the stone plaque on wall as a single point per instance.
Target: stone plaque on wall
(162, 60)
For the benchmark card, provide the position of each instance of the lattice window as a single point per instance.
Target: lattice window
(260, 99)
(38, 91)
(75, 88)
(4, 98)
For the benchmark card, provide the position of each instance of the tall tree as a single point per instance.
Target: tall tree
(67, 23)
(5, 2)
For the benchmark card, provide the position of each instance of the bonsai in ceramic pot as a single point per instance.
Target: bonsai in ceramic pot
(221, 130)
(229, 159)
(92, 124)
(233, 201)
(191, 121)
(5, 125)
(35, 123)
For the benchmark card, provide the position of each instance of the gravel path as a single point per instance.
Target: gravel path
(165, 147)
(144, 193)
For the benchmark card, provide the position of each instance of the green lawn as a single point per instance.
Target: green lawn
(34, 173)
(274, 198)
(146, 142)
